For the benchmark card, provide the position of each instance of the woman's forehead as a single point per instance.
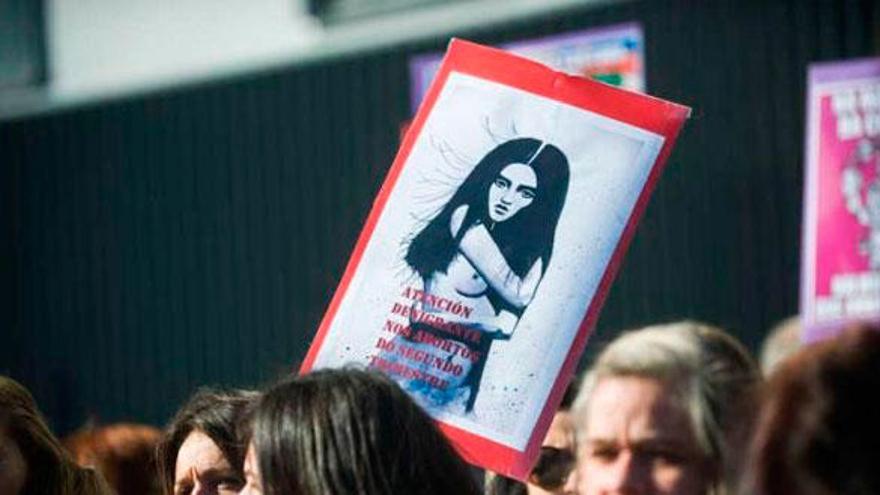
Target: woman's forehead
(519, 172)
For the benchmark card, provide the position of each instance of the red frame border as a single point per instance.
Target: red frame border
(652, 114)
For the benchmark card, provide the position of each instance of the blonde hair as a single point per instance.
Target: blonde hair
(713, 377)
(782, 341)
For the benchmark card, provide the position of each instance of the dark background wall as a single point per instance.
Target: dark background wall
(195, 236)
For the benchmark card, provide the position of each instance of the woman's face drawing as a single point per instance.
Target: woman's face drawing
(513, 189)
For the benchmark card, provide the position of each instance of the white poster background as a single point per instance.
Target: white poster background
(609, 163)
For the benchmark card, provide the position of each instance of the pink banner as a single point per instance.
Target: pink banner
(841, 262)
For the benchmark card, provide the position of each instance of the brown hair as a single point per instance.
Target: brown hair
(122, 453)
(817, 431)
(51, 471)
(219, 415)
(337, 432)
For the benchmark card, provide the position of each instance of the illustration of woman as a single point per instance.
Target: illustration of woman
(481, 259)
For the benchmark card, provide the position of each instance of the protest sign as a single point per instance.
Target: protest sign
(611, 54)
(840, 276)
(492, 244)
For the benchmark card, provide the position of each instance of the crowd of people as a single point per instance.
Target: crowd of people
(677, 409)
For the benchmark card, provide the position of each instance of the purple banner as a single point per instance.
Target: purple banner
(614, 55)
(840, 278)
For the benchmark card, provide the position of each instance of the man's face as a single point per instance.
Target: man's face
(560, 436)
(638, 441)
(202, 469)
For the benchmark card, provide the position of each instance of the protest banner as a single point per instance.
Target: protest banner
(612, 54)
(840, 275)
(492, 243)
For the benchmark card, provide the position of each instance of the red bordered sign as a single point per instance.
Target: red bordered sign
(490, 249)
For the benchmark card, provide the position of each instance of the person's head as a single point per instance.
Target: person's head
(123, 453)
(32, 460)
(664, 410)
(338, 432)
(514, 188)
(202, 450)
(556, 459)
(817, 430)
(524, 179)
(518, 189)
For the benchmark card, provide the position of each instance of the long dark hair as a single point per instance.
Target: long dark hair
(524, 238)
(50, 469)
(338, 432)
(221, 415)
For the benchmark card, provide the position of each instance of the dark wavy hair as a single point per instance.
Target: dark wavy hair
(221, 415)
(344, 431)
(50, 469)
(524, 238)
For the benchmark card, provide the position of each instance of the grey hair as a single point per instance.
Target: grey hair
(713, 377)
